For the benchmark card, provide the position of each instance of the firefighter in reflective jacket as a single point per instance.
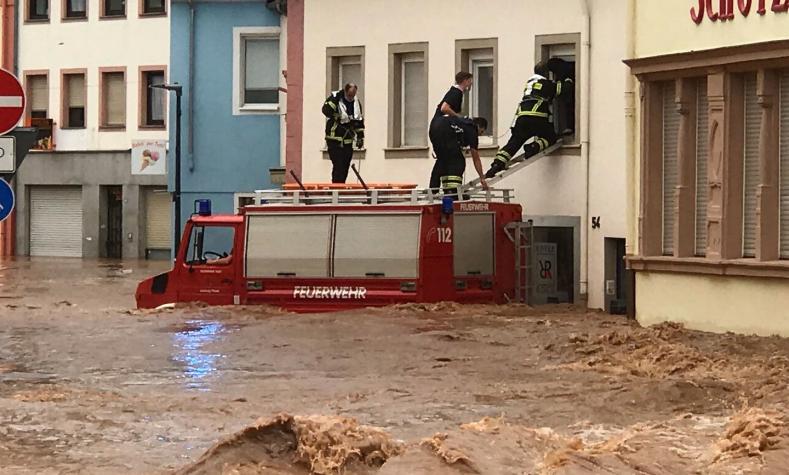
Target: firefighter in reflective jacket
(532, 120)
(452, 134)
(344, 125)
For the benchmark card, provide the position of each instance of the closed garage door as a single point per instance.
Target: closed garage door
(56, 221)
(157, 219)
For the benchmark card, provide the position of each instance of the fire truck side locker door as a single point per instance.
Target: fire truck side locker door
(436, 273)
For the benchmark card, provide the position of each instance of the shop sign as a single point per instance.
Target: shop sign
(724, 10)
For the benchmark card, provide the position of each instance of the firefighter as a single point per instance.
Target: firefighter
(344, 124)
(452, 134)
(450, 105)
(532, 120)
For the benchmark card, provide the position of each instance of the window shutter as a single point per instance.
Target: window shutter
(753, 118)
(670, 137)
(76, 90)
(414, 103)
(784, 134)
(702, 158)
(39, 92)
(115, 99)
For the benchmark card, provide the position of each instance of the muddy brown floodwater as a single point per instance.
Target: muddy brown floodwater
(90, 385)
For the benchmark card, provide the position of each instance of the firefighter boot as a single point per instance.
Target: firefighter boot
(495, 167)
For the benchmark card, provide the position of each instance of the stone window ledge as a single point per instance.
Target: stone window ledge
(704, 266)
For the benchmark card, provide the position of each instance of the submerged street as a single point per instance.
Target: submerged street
(90, 385)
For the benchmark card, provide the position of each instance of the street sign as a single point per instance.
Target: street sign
(12, 101)
(7, 200)
(7, 154)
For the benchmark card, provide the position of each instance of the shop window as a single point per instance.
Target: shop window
(702, 159)
(256, 69)
(564, 110)
(113, 96)
(751, 178)
(408, 87)
(671, 119)
(479, 58)
(38, 10)
(73, 101)
(75, 10)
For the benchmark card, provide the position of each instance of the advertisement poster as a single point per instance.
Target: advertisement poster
(545, 272)
(148, 157)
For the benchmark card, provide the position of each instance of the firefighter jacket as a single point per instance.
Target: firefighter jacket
(539, 93)
(342, 127)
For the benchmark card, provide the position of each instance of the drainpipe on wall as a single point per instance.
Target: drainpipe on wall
(190, 98)
(630, 131)
(585, 122)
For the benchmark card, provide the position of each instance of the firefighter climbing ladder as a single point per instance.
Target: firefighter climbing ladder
(521, 234)
(516, 164)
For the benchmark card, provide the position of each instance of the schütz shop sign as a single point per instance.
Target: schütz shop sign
(726, 10)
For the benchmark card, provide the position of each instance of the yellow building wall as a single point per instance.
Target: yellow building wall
(714, 303)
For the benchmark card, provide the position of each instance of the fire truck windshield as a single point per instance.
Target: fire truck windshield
(210, 245)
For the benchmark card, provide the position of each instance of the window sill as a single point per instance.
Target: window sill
(73, 128)
(152, 14)
(259, 108)
(152, 127)
(357, 153)
(74, 19)
(112, 128)
(33, 21)
(406, 152)
(113, 17)
(704, 266)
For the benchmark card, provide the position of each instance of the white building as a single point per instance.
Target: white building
(87, 66)
(404, 56)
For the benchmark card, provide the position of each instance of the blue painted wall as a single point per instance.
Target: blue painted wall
(231, 153)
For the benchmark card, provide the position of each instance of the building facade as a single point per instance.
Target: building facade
(87, 67)
(712, 226)
(229, 56)
(404, 63)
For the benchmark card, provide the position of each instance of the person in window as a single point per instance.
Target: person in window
(450, 105)
(532, 120)
(344, 124)
(453, 134)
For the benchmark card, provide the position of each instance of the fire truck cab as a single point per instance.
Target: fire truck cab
(329, 251)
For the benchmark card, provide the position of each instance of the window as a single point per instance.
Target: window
(113, 8)
(671, 120)
(479, 58)
(702, 158)
(37, 10)
(75, 9)
(153, 7)
(210, 245)
(751, 178)
(37, 91)
(408, 111)
(564, 110)
(376, 246)
(113, 96)
(288, 245)
(73, 101)
(153, 100)
(257, 72)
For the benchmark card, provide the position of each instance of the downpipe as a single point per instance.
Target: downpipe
(190, 98)
(585, 122)
(630, 132)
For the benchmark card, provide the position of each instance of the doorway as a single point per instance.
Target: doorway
(114, 243)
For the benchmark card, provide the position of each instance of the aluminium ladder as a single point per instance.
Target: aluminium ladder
(516, 164)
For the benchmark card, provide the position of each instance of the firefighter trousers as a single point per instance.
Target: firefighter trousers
(450, 161)
(525, 128)
(341, 156)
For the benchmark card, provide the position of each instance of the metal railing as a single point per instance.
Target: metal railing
(370, 196)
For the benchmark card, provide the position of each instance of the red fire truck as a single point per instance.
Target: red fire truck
(332, 250)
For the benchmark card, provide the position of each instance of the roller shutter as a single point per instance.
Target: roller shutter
(670, 136)
(785, 165)
(702, 158)
(56, 221)
(158, 230)
(753, 118)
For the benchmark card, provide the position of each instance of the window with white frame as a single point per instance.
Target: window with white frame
(257, 69)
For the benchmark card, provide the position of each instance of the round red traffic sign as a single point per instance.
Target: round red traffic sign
(12, 101)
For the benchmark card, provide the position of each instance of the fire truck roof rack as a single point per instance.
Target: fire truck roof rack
(370, 196)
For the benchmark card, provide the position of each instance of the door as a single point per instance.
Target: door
(158, 227)
(114, 244)
(56, 221)
(208, 272)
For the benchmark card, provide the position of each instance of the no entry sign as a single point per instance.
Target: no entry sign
(12, 101)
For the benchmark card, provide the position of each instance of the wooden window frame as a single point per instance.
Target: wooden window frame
(26, 85)
(37, 20)
(64, 97)
(723, 68)
(394, 73)
(141, 13)
(103, 11)
(142, 102)
(102, 124)
(64, 12)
